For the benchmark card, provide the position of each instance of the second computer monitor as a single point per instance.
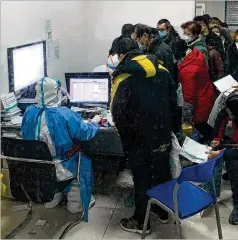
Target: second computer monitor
(89, 88)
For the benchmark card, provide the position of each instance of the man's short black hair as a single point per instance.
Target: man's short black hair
(215, 20)
(208, 17)
(225, 25)
(126, 45)
(153, 33)
(141, 29)
(127, 30)
(166, 21)
(201, 19)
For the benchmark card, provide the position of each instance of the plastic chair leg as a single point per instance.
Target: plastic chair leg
(219, 229)
(178, 226)
(146, 219)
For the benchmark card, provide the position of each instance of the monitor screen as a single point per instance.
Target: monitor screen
(27, 65)
(89, 90)
(92, 88)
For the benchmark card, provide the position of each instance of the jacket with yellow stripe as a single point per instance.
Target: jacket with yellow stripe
(143, 97)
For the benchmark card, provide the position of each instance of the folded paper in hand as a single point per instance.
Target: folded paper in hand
(194, 151)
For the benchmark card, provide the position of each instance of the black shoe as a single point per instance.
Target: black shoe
(225, 177)
(132, 225)
(233, 219)
(163, 216)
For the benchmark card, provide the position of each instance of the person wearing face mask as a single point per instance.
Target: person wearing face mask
(150, 42)
(143, 100)
(233, 57)
(170, 37)
(198, 92)
(192, 35)
(60, 127)
(216, 62)
(225, 38)
(210, 36)
(111, 65)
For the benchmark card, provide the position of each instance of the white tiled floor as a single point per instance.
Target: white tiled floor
(104, 221)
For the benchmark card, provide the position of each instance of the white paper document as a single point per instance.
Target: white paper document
(194, 151)
(9, 101)
(17, 120)
(225, 84)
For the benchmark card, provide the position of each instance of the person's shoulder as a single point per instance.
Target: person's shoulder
(64, 110)
(32, 109)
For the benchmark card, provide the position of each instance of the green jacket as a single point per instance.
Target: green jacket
(200, 44)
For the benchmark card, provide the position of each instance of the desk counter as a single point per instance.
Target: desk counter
(107, 141)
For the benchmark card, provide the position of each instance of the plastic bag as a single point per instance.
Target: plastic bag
(175, 164)
(180, 99)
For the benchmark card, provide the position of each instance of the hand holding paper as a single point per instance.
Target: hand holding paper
(195, 151)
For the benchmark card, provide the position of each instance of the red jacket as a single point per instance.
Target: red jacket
(197, 87)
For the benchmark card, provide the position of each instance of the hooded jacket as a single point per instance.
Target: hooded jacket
(143, 98)
(60, 128)
(216, 65)
(198, 91)
(200, 44)
(163, 52)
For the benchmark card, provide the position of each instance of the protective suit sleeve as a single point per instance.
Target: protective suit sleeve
(80, 130)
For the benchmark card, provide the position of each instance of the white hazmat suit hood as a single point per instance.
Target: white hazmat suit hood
(50, 94)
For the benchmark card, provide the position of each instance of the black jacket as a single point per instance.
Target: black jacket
(212, 40)
(233, 61)
(163, 52)
(143, 98)
(178, 47)
(176, 44)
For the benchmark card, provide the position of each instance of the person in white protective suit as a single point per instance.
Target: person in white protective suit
(111, 65)
(58, 126)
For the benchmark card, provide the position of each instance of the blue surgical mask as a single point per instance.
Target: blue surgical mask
(162, 34)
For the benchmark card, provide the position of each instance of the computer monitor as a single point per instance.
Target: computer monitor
(89, 88)
(26, 65)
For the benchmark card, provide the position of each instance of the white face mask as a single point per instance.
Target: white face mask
(218, 34)
(187, 38)
(112, 63)
(237, 45)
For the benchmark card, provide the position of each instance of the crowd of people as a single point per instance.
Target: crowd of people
(162, 80)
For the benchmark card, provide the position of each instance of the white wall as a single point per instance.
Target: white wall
(84, 29)
(215, 8)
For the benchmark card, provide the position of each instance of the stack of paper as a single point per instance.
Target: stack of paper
(11, 110)
(194, 151)
(9, 115)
